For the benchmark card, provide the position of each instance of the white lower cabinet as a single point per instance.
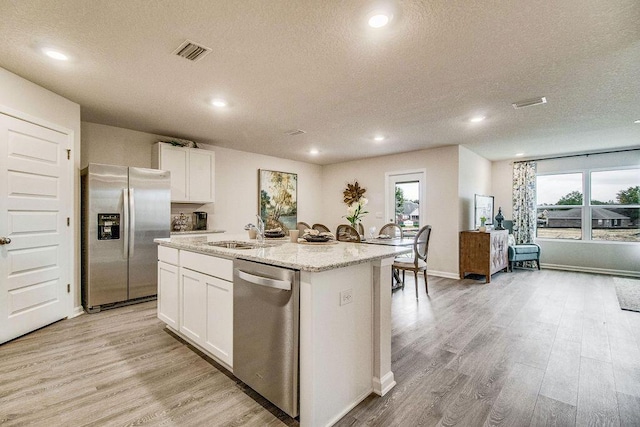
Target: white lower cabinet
(168, 294)
(194, 305)
(169, 286)
(219, 338)
(199, 306)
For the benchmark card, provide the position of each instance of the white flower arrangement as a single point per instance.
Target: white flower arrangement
(355, 211)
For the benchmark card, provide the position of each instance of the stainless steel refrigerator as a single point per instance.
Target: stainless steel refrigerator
(123, 210)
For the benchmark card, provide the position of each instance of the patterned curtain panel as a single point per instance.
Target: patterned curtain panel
(524, 202)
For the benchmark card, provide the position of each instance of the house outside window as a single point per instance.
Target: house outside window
(560, 205)
(615, 200)
(598, 205)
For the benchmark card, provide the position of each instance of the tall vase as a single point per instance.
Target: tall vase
(356, 224)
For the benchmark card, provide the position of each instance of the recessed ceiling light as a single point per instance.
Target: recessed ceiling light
(519, 154)
(477, 119)
(637, 121)
(55, 54)
(219, 103)
(378, 138)
(314, 151)
(378, 20)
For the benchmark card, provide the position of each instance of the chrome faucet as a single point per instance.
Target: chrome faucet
(260, 229)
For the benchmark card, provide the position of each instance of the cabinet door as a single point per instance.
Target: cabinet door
(201, 176)
(219, 340)
(193, 307)
(175, 160)
(168, 294)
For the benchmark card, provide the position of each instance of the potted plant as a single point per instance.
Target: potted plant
(482, 228)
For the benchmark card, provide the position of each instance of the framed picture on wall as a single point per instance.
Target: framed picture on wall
(278, 199)
(483, 208)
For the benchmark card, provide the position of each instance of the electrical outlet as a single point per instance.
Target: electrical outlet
(346, 297)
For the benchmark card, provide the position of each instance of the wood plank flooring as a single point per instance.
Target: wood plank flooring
(531, 348)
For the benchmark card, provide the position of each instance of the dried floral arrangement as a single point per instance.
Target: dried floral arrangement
(353, 193)
(355, 201)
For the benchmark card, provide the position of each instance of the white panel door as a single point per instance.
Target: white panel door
(35, 201)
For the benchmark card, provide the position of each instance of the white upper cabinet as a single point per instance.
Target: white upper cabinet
(192, 172)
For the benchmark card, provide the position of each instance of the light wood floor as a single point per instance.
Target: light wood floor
(531, 348)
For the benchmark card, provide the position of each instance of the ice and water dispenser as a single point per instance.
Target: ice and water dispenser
(108, 226)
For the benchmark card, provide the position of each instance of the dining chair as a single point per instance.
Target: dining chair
(419, 261)
(302, 226)
(392, 230)
(346, 233)
(321, 228)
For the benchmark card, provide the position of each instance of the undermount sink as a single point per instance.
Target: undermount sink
(233, 244)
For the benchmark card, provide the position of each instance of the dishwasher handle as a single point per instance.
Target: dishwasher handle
(264, 281)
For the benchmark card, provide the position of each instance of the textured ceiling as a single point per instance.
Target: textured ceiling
(317, 66)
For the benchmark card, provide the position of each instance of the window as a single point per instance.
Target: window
(615, 205)
(612, 212)
(404, 199)
(560, 205)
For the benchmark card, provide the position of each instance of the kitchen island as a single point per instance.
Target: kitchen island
(345, 312)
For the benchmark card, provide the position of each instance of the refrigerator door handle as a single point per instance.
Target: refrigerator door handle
(132, 222)
(125, 221)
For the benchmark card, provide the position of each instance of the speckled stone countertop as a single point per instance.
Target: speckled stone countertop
(181, 233)
(285, 254)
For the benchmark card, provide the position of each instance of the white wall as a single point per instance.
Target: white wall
(502, 187)
(116, 146)
(442, 210)
(592, 256)
(474, 178)
(28, 98)
(236, 174)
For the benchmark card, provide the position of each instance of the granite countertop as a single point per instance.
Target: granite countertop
(285, 254)
(178, 233)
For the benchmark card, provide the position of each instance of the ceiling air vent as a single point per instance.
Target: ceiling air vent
(191, 51)
(295, 132)
(529, 102)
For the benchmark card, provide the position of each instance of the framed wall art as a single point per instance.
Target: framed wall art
(483, 208)
(278, 199)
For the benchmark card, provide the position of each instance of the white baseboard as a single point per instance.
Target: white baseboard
(77, 311)
(591, 270)
(445, 274)
(382, 386)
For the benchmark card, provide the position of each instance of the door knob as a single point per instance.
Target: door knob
(5, 240)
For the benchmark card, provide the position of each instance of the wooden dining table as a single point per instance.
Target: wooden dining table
(395, 241)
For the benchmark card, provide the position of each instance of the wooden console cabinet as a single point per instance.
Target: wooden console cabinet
(483, 252)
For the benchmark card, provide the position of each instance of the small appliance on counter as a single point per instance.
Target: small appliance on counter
(181, 223)
(200, 221)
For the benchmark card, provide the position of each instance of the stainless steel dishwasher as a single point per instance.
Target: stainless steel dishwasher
(266, 319)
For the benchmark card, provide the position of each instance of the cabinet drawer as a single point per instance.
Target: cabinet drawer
(168, 255)
(207, 264)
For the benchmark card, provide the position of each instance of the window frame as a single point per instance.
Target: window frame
(587, 207)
